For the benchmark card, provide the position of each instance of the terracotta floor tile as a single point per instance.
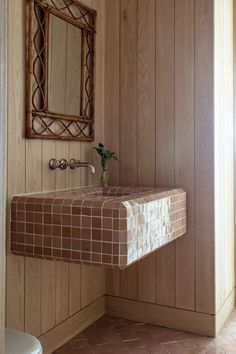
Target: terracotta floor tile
(110, 335)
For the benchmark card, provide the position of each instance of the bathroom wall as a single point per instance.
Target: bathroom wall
(159, 109)
(43, 294)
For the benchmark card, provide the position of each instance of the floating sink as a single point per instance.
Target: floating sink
(113, 227)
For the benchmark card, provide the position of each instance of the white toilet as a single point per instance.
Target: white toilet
(21, 343)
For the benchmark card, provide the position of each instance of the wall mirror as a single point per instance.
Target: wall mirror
(61, 66)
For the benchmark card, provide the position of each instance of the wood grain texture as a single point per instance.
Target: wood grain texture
(40, 294)
(128, 117)
(165, 125)
(48, 295)
(74, 288)
(3, 173)
(128, 92)
(86, 289)
(204, 155)
(112, 110)
(15, 296)
(182, 77)
(184, 147)
(180, 319)
(165, 276)
(146, 279)
(61, 334)
(146, 128)
(112, 87)
(224, 188)
(33, 285)
(16, 152)
(62, 293)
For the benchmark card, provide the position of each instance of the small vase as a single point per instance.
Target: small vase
(104, 179)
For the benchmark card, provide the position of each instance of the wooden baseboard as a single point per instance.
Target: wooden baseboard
(224, 311)
(66, 330)
(179, 319)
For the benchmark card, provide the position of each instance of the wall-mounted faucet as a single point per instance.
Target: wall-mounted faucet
(73, 163)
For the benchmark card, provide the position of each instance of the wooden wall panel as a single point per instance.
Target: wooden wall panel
(42, 294)
(112, 109)
(128, 92)
(33, 286)
(223, 159)
(3, 174)
(163, 68)
(184, 147)
(128, 118)
(165, 149)
(16, 153)
(204, 155)
(146, 128)
(48, 295)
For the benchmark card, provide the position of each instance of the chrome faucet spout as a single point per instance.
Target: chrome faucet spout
(76, 163)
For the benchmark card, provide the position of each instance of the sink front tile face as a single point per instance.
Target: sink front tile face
(112, 227)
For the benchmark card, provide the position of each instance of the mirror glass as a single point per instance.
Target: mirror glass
(64, 67)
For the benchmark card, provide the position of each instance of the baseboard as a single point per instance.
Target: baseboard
(66, 330)
(179, 319)
(224, 311)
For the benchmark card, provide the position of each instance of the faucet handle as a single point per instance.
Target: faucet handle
(62, 164)
(73, 163)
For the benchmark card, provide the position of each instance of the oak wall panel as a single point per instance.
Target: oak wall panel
(165, 143)
(159, 87)
(128, 118)
(41, 294)
(146, 124)
(184, 147)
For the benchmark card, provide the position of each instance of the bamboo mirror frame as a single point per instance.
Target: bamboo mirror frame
(42, 121)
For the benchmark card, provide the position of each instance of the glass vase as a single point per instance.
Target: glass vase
(104, 179)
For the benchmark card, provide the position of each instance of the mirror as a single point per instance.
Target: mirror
(60, 97)
(64, 89)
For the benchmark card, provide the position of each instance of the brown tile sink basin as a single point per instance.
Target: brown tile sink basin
(112, 227)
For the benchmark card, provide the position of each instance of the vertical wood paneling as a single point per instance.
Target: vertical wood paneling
(165, 123)
(204, 155)
(15, 296)
(146, 279)
(33, 272)
(181, 77)
(112, 109)
(99, 6)
(86, 289)
(48, 295)
(184, 137)
(165, 276)
(62, 296)
(223, 150)
(165, 92)
(41, 294)
(128, 117)
(112, 87)
(3, 174)
(74, 288)
(146, 128)
(16, 153)
(33, 268)
(128, 92)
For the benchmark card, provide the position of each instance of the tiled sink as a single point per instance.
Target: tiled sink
(112, 227)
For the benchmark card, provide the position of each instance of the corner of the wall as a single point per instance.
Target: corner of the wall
(224, 312)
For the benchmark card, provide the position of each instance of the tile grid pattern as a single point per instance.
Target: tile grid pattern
(112, 227)
(120, 336)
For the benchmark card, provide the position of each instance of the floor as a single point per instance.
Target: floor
(119, 336)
